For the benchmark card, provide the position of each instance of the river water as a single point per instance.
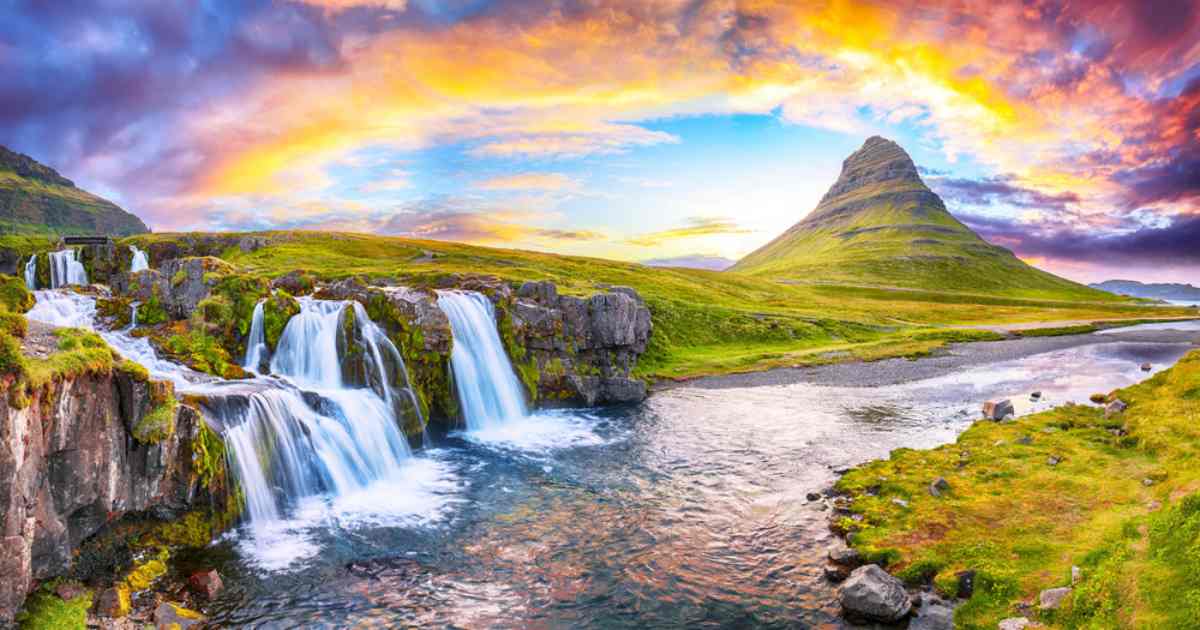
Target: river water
(688, 510)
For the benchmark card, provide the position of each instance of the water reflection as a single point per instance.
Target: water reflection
(686, 511)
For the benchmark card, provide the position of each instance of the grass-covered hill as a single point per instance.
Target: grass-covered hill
(35, 199)
(705, 322)
(879, 225)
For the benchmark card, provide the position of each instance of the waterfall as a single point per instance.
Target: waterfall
(488, 389)
(330, 421)
(256, 344)
(31, 273)
(66, 270)
(140, 262)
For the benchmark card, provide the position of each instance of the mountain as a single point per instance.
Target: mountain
(880, 225)
(695, 261)
(35, 199)
(1154, 291)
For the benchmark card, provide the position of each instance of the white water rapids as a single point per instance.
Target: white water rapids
(139, 262)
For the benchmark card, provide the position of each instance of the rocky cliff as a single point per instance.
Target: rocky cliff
(85, 452)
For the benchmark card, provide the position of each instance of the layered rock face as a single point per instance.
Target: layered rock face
(583, 349)
(70, 465)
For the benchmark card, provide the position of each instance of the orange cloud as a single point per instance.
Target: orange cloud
(696, 227)
(529, 181)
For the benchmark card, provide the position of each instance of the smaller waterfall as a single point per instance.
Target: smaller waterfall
(488, 389)
(31, 273)
(132, 316)
(140, 262)
(65, 269)
(256, 344)
(63, 308)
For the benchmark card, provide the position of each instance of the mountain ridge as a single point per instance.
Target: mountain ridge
(36, 199)
(1150, 290)
(880, 225)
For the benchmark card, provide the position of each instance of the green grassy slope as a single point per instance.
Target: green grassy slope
(34, 199)
(879, 225)
(1121, 502)
(705, 322)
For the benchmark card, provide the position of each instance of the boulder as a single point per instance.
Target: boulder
(1115, 408)
(836, 573)
(939, 487)
(113, 603)
(871, 594)
(813, 496)
(170, 616)
(845, 557)
(998, 410)
(206, 584)
(1014, 623)
(1052, 599)
(1146, 367)
(966, 584)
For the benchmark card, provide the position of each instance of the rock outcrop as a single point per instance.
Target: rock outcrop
(70, 465)
(577, 350)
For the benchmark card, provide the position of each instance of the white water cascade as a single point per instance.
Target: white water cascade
(488, 389)
(31, 273)
(140, 262)
(256, 343)
(65, 269)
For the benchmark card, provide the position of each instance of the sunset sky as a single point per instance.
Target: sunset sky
(631, 129)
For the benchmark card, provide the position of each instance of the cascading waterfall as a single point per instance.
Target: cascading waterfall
(256, 343)
(31, 273)
(333, 424)
(140, 262)
(66, 270)
(328, 422)
(488, 389)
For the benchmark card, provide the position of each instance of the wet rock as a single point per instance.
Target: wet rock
(1115, 408)
(1014, 623)
(932, 614)
(1146, 367)
(170, 616)
(871, 594)
(998, 410)
(836, 573)
(845, 556)
(813, 496)
(68, 591)
(1036, 395)
(1052, 599)
(113, 603)
(939, 487)
(206, 584)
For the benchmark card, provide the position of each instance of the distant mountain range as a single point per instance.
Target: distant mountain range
(1153, 291)
(880, 225)
(35, 199)
(711, 263)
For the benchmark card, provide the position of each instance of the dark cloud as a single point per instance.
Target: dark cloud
(1173, 244)
(1000, 190)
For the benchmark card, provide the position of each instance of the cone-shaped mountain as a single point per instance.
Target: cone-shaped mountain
(880, 225)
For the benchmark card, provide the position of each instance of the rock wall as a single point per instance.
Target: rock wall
(577, 351)
(70, 465)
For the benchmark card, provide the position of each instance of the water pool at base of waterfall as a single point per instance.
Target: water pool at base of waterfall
(688, 510)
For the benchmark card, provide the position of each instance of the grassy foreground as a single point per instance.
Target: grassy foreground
(705, 322)
(1122, 503)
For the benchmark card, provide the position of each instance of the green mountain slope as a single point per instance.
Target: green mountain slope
(35, 199)
(880, 225)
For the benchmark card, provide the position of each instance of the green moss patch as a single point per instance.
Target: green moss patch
(159, 424)
(14, 296)
(45, 610)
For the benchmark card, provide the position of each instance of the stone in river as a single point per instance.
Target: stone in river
(997, 411)
(1146, 367)
(871, 594)
(206, 583)
(176, 617)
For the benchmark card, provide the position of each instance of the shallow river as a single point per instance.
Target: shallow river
(686, 511)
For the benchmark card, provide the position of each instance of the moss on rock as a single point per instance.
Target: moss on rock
(158, 425)
(46, 610)
(14, 296)
(278, 309)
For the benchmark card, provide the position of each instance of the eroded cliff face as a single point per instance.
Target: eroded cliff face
(70, 465)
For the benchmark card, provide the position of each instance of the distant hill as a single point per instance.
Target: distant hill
(711, 263)
(35, 199)
(1153, 291)
(880, 225)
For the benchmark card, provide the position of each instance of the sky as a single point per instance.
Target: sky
(1067, 131)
